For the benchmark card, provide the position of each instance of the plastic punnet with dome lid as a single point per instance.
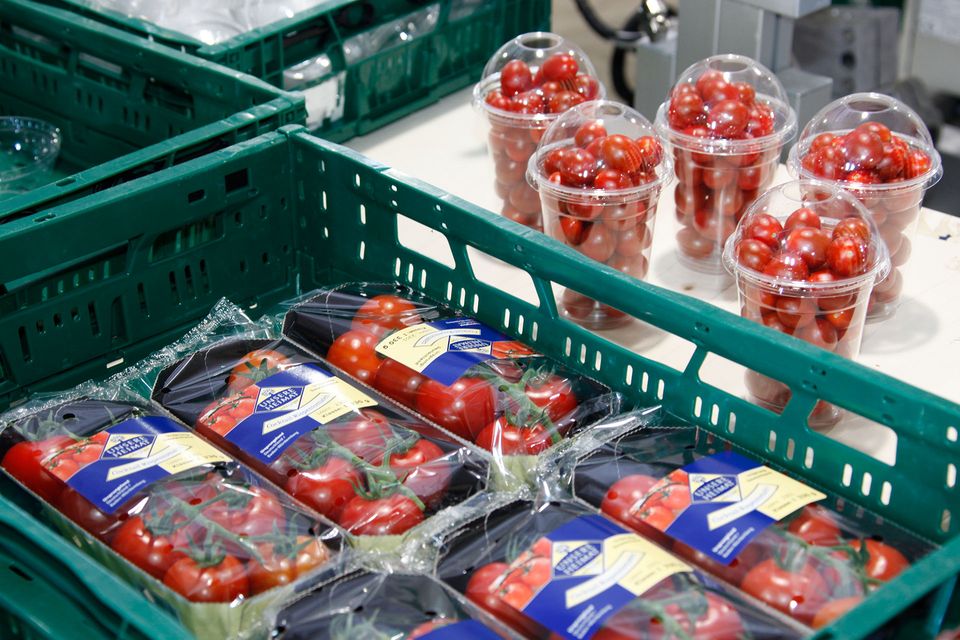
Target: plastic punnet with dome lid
(727, 119)
(526, 85)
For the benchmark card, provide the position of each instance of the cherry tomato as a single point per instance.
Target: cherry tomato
(587, 86)
(563, 101)
(355, 353)
(766, 229)
(552, 160)
(383, 313)
(810, 244)
(599, 243)
(152, 553)
(622, 154)
(515, 77)
(686, 109)
(855, 228)
(802, 217)
(327, 487)
(588, 132)
(464, 407)
(398, 381)
(788, 266)
(224, 581)
(509, 439)
(728, 119)
(560, 67)
(862, 149)
(753, 254)
(800, 593)
(612, 179)
(77, 508)
(624, 494)
(893, 162)
(821, 141)
(366, 436)
(719, 620)
(578, 167)
(254, 367)
(847, 257)
(884, 562)
(815, 525)
(282, 567)
(423, 470)
(918, 164)
(553, 393)
(259, 514)
(745, 92)
(390, 515)
(25, 462)
(693, 244)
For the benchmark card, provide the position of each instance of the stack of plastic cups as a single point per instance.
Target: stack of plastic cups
(600, 169)
(806, 256)
(525, 87)
(727, 119)
(878, 149)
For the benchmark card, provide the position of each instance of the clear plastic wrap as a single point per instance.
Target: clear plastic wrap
(338, 447)
(559, 570)
(469, 379)
(783, 542)
(727, 118)
(599, 170)
(525, 86)
(806, 256)
(167, 511)
(878, 149)
(376, 606)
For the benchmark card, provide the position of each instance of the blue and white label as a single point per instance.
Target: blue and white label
(135, 454)
(461, 630)
(444, 350)
(291, 403)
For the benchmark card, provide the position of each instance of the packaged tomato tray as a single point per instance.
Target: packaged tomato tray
(468, 378)
(559, 570)
(167, 511)
(337, 447)
(377, 606)
(773, 537)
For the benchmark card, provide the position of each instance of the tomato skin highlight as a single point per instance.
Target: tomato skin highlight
(225, 581)
(390, 515)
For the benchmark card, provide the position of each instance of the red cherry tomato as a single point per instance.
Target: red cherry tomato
(554, 394)
(325, 487)
(855, 228)
(578, 168)
(599, 243)
(821, 141)
(815, 525)
(588, 132)
(802, 217)
(862, 149)
(260, 513)
(787, 266)
(254, 367)
(25, 462)
(515, 77)
(224, 581)
(366, 436)
(77, 508)
(398, 381)
(893, 163)
(918, 164)
(766, 229)
(719, 621)
(847, 257)
(509, 439)
(810, 244)
(552, 160)
(612, 179)
(563, 101)
(390, 515)
(624, 494)
(283, 567)
(152, 553)
(484, 589)
(355, 353)
(587, 86)
(560, 67)
(883, 561)
(745, 92)
(686, 109)
(383, 313)
(622, 154)
(728, 119)
(753, 254)
(799, 593)
(464, 407)
(423, 470)
(572, 229)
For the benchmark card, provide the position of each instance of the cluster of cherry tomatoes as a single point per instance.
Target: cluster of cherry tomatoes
(364, 472)
(209, 535)
(872, 155)
(803, 566)
(514, 404)
(800, 250)
(554, 87)
(714, 189)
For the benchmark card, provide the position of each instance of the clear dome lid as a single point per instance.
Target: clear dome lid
(727, 104)
(814, 228)
(535, 77)
(868, 141)
(600, 148)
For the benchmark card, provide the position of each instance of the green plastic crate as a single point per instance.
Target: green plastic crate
(125, 107)
(286, 212)
(375, 90)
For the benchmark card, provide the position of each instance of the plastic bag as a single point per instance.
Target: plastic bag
(386, 607)
(340, 449)
(562, 571)
(466, 377)
(166, 510)
(775, 538)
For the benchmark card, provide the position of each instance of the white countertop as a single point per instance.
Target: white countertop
(920, 344)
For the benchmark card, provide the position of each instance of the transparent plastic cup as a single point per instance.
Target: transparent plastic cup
(28, 150)
(599, 170)
(525, 87)
(726, 119)
(813, 283)
(877, 148)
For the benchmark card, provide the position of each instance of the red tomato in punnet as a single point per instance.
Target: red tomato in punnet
(380, 516)
(155, 554)
(488, 588)
(503, 437)
(224, 580)
(800, 591)
(326, 486)
(464, 407)
(282, 564)
(384, 313)
(254, 367)
(25, 462)
(355, 353)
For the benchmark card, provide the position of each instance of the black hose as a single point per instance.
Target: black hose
(627, 35)
(618, 63)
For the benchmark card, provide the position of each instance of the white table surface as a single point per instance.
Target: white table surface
(920, 344)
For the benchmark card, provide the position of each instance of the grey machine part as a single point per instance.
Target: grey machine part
(760, 29)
